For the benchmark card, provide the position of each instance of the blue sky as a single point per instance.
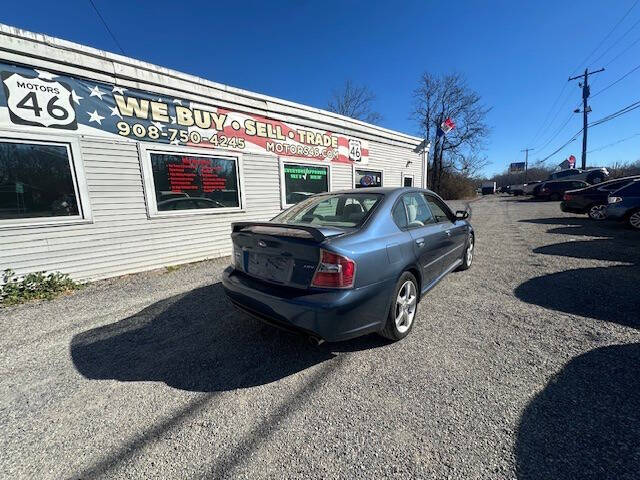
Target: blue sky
(517, 55)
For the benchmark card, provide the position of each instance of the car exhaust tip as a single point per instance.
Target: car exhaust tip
(315, 341)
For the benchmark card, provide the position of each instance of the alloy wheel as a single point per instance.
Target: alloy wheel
(598, 212)
(406, 306)
(634, 220)
(469, 253)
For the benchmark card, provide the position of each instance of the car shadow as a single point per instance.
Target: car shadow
(558, 221)
(605, 249)
(602, 293)
(585, 424)
(198, 342)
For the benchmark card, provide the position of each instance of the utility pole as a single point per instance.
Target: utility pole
(585, 109)
(526, 162)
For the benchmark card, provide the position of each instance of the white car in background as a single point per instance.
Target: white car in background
(590, 175)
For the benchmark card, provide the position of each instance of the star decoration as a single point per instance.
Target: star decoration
(95, 92)
(95, 117)
(173, 119)
(115, 111)
(119, 90)
(174, 142)
(159, 125)
(177, 101)
(76, 97)
(46, 75)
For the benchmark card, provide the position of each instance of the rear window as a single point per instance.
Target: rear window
(347, 210)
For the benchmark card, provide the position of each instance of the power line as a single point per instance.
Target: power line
(623, 52)
(616, 42)
(602, 120)
(107, 27)
(545, 125)
(618, 80)
(606, 37)
(604, 147)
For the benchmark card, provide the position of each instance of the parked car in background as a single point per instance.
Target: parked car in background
(528, 187)
(590, 175)
(488, 188)
(624, 204)
(555, 190)
(592, 200)
(343, 264)
(517, 189)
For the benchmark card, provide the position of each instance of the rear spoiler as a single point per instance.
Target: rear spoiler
(271, 228)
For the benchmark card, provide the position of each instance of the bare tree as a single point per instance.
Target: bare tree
(437, 98)
(355, 101)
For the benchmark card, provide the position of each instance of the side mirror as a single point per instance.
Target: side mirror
(462, 215)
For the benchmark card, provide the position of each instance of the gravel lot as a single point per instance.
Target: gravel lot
(526, 366)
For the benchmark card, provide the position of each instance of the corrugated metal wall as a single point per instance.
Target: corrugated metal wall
(122, 239)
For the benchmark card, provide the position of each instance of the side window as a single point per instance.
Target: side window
(418, 213)
(399, 215)
(632, 190)
(438, 209)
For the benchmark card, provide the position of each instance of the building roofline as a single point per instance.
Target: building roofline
(274, 104)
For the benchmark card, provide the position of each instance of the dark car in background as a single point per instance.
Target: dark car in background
(624, 204)
(555, 190)
(592, 200)
(343, 264)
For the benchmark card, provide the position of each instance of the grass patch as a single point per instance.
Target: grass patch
(172, 268)
(34, 286)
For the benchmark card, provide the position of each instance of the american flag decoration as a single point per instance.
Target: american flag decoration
(446, 127)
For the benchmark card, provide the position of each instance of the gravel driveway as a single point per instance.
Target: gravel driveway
(526, 366)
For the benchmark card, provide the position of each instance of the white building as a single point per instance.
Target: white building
(109, 165)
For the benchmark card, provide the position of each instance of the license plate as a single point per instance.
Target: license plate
(269, 267)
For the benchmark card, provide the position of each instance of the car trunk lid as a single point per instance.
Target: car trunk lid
(278, 253)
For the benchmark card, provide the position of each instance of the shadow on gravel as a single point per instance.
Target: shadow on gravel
(601, 249)
(197, 341)
(603, 293)
(585, 424)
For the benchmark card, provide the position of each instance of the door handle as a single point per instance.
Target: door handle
(420, 241)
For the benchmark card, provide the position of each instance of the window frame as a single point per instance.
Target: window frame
(78, 177)
(281, 163)
(447, 211)
(148, 184)
(408, 175)
(376, 170)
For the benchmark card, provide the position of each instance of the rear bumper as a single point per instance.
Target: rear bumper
(570, 208)
(332, 315)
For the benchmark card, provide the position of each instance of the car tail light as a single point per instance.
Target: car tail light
(567, 197)
(334, 271)
(615, 199)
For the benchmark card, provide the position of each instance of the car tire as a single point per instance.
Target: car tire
(467, 256)
(633, 219)
(402, 313)
(597, 211)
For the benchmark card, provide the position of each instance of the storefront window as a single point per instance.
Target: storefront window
(190, 182)
(36, 180)
(302, 181)
(368, 178)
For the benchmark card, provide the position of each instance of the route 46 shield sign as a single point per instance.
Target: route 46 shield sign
(39, 102)
(355, 151)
